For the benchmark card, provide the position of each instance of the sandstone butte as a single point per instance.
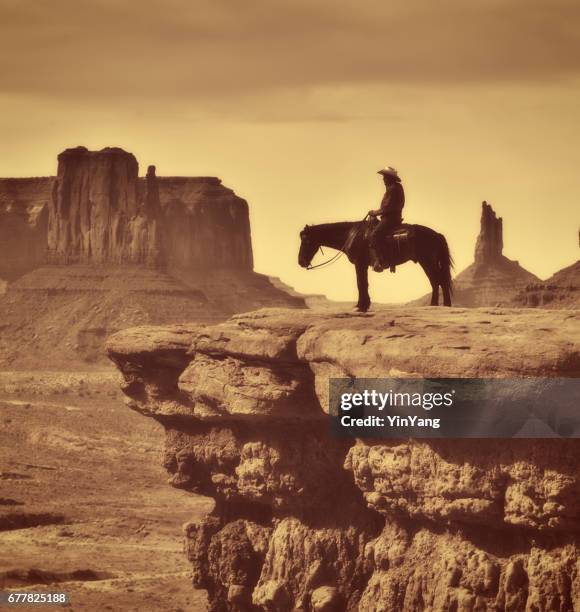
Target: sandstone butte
(97, 210)
(304, 521)
(97, 249)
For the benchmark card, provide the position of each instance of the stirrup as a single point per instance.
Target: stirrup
(377, 267)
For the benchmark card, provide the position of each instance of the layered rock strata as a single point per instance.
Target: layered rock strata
(96, 214)
(23, 224)
(205, 225)
(98, 211)
(97, 249)
(561, 290)
(304, 521)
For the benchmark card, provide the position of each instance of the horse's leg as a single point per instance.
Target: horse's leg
(362, 282)
(446, 293)
(432, 273)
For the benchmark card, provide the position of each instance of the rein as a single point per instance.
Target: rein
(328, 261)
(338, 255)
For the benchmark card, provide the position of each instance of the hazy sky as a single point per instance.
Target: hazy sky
(295, 104)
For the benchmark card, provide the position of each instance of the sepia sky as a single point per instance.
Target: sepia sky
(296, 104)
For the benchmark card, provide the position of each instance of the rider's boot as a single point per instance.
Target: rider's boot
(376, 261)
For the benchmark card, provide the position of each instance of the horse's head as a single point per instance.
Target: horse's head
(308, 247)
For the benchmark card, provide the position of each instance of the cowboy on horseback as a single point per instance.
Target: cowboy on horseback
(390, 213)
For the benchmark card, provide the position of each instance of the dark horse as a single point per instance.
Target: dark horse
(430, 251)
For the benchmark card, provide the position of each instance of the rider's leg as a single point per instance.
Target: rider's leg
(376, 246)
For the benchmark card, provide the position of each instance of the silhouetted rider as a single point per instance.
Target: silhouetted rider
(390, 212)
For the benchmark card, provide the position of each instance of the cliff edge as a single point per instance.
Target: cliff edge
(304, 521)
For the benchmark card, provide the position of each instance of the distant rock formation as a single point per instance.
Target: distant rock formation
(96, 214)
(306, 521)
(98, 211)
(24, 206)
(312, 300)
(489, 244)
(205, 225)
(561, 290)
(492, 279)
(97, 249)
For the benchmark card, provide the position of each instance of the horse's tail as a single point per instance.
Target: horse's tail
(445, 263)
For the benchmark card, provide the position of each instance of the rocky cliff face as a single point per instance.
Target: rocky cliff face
(304, 521)
(205, 225)
(489, 244)
(120, 251)
(97, 215)
(23, 224)
(97, 211)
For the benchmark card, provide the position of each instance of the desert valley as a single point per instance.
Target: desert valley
(151, 379)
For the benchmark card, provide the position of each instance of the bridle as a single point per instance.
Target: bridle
(338, 255)
(328, 261)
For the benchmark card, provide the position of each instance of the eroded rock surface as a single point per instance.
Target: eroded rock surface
(304, 521)
(23, 224)
(561, 290)
(489, 245)
(205, 225)
(492, 279)
(96, 213)
(97, 249)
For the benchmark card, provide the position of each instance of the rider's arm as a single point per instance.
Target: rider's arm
(375, 213)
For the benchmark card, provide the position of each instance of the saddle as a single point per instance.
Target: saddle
(397, 246)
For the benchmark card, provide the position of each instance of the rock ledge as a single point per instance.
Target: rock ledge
(303, 521)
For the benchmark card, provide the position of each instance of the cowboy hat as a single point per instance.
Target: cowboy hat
(389, 171)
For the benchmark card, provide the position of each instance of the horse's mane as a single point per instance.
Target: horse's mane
(339, 225)
(336, 225)
(345, 231)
